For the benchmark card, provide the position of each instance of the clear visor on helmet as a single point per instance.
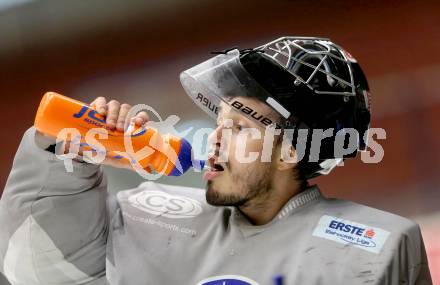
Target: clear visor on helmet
(222, 78)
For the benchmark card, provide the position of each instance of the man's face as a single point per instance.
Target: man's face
(234, 182)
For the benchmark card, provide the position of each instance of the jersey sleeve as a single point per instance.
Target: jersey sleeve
(53, 223)
(413, 262)
(419, 269)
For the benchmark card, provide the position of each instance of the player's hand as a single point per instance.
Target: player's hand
(117, 118)
(116, 114)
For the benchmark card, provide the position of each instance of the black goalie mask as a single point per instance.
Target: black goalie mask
(311, 83)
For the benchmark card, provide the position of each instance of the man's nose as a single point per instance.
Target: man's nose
(215, 136)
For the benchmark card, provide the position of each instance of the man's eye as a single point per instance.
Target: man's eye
(238, 127)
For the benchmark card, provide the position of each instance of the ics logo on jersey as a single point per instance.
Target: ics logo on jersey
(227, 280)
(348, 232)
(163, 204)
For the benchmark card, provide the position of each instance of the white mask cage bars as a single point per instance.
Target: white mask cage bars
(290, 53)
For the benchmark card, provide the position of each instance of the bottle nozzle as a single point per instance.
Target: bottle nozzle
(198, 165)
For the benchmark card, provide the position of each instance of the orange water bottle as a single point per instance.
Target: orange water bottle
(168, 154)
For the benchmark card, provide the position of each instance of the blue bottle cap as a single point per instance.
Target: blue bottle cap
(186, 160)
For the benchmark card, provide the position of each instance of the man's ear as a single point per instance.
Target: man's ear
(286, 159)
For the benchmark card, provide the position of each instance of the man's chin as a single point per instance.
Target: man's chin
(215, 198)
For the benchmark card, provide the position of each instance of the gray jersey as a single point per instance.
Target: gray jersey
(63, 228)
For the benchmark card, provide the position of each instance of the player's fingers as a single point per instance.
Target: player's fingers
(112, 113)
(100, 105)
(122, 118)
(141, 118)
